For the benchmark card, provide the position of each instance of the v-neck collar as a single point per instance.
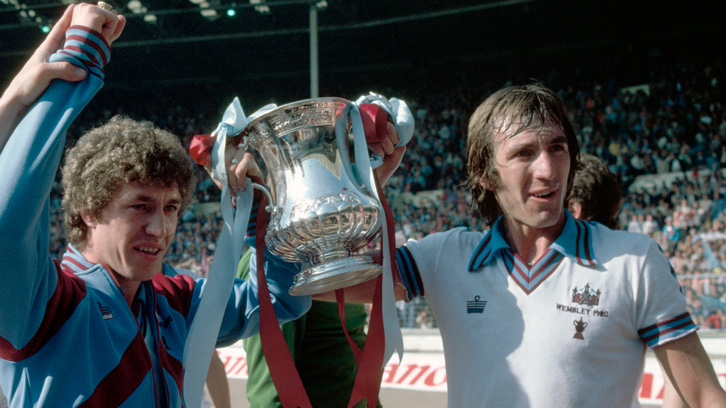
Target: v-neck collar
(575, 242)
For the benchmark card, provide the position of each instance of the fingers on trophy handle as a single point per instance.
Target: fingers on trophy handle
(270, 203)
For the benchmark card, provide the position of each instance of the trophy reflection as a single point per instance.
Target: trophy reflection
(321, 212)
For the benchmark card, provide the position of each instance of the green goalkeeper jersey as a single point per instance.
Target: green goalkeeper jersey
(320, 350)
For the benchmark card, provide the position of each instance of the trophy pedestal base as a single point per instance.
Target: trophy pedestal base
(335, 274)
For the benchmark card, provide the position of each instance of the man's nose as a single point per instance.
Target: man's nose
(545, 166)
(157, 225)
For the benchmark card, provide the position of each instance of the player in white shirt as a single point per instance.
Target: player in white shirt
(544, 310)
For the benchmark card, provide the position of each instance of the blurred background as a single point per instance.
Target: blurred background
(643, 82)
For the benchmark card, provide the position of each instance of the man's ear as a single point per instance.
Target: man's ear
(90, 220)
(484, 183)
(575, 208)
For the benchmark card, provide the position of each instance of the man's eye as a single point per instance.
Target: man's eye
(139, 206)
(171, 208)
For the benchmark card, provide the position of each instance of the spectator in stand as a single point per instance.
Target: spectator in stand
(650, 226)
(634, 225)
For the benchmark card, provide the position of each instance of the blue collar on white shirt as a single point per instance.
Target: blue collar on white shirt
(575, 242)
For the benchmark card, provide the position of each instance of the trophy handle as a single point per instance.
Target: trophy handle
(270, 202)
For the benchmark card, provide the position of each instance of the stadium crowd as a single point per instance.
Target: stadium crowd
(664, 135)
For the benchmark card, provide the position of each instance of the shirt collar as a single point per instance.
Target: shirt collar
(74, 260)
(575, 242)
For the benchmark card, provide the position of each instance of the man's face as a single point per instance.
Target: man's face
(134, 231)
(533, 166)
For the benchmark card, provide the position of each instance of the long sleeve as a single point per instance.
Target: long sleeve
(28, 164)
(244, 301)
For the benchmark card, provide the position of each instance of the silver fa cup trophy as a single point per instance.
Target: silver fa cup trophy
(321, 212)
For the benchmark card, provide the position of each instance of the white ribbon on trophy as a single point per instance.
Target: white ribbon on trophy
(201, 341)
(403, 120)
(202, 337)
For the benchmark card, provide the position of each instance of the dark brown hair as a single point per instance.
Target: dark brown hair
(597, 189)
(510, 111)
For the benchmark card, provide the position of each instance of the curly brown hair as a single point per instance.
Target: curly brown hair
(121, 151)
(510, 111)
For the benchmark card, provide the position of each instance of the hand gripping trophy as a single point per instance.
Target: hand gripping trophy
(324, 205)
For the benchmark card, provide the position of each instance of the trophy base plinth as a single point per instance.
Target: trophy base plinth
(335, 274)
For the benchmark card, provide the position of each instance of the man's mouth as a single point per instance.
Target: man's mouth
(148, 250)
(545, 194)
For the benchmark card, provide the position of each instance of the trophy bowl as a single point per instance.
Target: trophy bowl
(321, 215)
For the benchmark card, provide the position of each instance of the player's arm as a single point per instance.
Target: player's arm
(29, 161)
(37, 73)
(217, 383)
(689, 369)
(671, 399)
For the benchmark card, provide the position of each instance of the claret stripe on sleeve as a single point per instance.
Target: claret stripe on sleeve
(89, 47)
(409, 272)
(69, 292)
(655, 334)
(92, 42)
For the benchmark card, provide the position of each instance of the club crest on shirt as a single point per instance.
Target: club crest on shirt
(584, 301)
(586, 296)
(476, 305)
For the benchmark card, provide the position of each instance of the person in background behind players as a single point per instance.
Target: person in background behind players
(595, 193)
(321, 353)
(596, 196)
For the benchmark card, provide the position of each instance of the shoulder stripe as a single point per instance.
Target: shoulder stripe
(177, 291)
(69, 292)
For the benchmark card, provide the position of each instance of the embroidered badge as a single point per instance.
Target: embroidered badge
(584, 302)
(105, 312)
(476, 305)
(579, 328)
(586, 295)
